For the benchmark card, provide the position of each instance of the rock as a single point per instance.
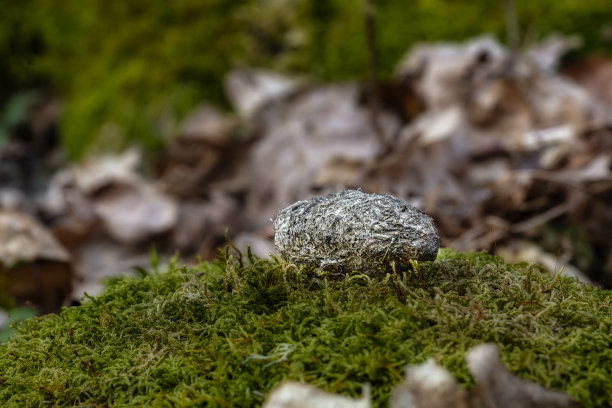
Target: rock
(352, 230)
(207, 124)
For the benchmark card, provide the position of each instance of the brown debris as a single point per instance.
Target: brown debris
(135, 213)
(595, 75)
(502, 151)
(204, 152)
(317, 141)
(201, 226)
(99, 258)
(33, 264)
(251, 89)
(23, 239)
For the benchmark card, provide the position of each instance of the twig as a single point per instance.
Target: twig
(542, 218)
(512, 27)
(370, 25)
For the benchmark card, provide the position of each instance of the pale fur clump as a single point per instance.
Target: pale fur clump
(355, 231)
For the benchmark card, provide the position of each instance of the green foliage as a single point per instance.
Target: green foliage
(130, 71)
(225, 333)
(15, 112)
(16, 315)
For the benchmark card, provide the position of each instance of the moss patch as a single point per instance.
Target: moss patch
(224, 333)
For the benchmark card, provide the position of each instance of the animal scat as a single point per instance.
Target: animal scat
(355, 231)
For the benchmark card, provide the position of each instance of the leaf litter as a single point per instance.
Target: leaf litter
(501, 150)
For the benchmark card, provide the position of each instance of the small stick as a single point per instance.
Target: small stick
(512, 27)
(370, 25)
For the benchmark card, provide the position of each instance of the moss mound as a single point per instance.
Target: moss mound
(225, 333)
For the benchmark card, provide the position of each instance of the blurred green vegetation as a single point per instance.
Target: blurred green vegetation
(15, 315)
(130, 71)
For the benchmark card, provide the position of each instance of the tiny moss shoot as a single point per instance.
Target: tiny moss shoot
(223, 334)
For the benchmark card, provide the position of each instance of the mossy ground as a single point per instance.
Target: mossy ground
(225, 333)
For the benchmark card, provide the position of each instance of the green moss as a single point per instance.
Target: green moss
(225, 333)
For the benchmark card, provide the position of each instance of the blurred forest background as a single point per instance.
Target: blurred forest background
(129, 72)
(239, 108)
